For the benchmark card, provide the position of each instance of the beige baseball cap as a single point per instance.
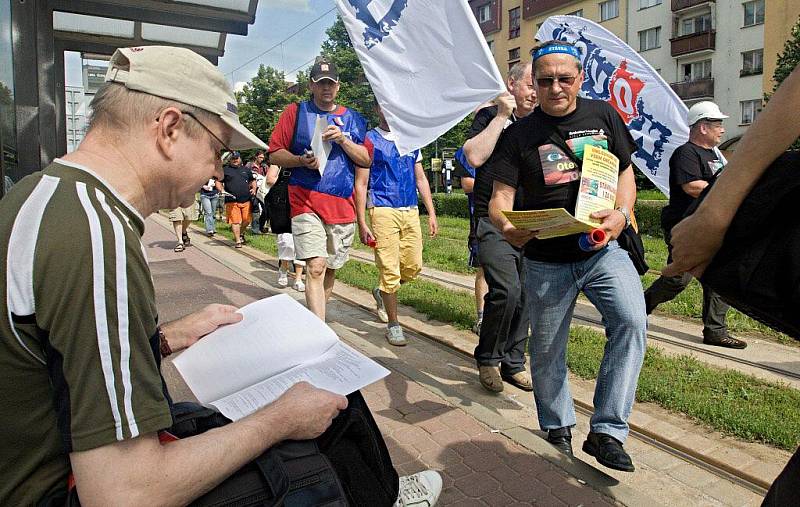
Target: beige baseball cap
(183, 75)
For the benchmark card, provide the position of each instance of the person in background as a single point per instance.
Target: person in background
(467, 175)
(277, 200)
(692, 167)
(500, 353)
(698, 237)
(239, 187)
(389, 190)
(209, 201)
(321, 198)
(181, 218)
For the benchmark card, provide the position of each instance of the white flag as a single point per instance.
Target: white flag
(427, 62)
(654, 114)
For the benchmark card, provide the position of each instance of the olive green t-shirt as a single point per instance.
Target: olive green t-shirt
(79, 363)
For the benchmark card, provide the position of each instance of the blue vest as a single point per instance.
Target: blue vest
(339, 174)
(392, 182)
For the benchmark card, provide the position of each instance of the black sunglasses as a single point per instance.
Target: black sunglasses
(547, 82)
(220, 141)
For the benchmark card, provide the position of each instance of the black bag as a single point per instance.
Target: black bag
(277, 204)
(757, 269)
(629, 239)
(291, 474)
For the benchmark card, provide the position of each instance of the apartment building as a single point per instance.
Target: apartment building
(705, 49)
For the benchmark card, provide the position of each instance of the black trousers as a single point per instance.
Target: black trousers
(667, 287)
(505, 314)
(784, 491)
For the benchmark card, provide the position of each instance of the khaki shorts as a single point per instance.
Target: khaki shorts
(398, 248)
(180, 214)
(313, 238)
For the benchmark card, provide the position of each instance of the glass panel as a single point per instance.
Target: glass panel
(177, 35)
(234, 5)
(8, 121)
(69, 22)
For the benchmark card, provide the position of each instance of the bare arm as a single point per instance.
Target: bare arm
(613, 221)
(696, 239)
(272, 174)
(503, 199)
(467, 184)
(142, 471)
(479, 148)
(694, 188)
(287, 159)
(362, 180)
(425, 191)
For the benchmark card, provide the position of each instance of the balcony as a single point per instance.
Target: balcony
(698, 89)
(679, 5)
(700, 41)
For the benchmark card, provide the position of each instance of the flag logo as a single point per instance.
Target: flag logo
(379, 16)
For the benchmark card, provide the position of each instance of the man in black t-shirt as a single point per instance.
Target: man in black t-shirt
(529, 157)
(691, 168)
(240, 186)
(500, 353)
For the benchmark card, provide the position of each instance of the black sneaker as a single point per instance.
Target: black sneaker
(608, 451)
(724, 340)
(186, 240)
(561, 439)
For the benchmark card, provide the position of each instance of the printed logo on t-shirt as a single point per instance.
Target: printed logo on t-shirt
(715, 166)
(557, 167)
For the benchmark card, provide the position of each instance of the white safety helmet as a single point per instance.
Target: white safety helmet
(705, 110)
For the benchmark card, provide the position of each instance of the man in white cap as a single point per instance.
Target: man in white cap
(692, 167)
(80, 343)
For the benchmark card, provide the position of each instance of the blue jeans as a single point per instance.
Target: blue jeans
(209, 205)
(611, 283)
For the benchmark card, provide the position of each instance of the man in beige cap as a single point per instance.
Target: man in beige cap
(80, 341)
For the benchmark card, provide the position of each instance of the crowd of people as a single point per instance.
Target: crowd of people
(72, 411)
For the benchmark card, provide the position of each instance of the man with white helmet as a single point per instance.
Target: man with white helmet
(693, 166)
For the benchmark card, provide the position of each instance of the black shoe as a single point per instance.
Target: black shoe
(608, 451)
(724, 340)
(186, 240)
(561, 439)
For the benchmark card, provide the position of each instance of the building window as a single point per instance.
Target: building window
(752, 62)
(513, 22)
(650, 38)
(513, 54)
(754, 13)
(696, 24)
(578, 13)
(609, 10)
(750, 110)
(490, 43)
(696, 70)
(484, 13)
(644, 4)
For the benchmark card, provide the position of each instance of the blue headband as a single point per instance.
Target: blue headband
(551, 49)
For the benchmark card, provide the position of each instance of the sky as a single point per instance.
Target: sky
(275, 21)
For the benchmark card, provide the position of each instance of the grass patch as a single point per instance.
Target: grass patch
(650, 195)
(734, 403)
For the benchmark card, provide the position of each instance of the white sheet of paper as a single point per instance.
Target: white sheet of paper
(276, 334)
(322, 149)
(341, 370)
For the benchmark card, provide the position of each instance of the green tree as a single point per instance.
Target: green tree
(261, 101)
(787, 61)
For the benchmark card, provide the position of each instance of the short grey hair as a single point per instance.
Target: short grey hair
(116, 109)
(518, 70)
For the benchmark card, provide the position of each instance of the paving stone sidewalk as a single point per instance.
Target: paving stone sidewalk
(479, 465)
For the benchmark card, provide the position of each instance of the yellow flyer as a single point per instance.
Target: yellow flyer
(598, 191)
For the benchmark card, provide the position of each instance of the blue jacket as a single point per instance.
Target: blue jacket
(392, 182)
(339, 174)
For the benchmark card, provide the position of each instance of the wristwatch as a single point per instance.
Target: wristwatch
(626, 213)
(163, 343)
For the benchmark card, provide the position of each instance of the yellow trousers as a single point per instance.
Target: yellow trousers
(398, 249)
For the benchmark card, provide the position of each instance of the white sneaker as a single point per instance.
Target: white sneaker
(283, 277)
(394, 335)
(376, 294)
(419, 490)
(299, 286)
